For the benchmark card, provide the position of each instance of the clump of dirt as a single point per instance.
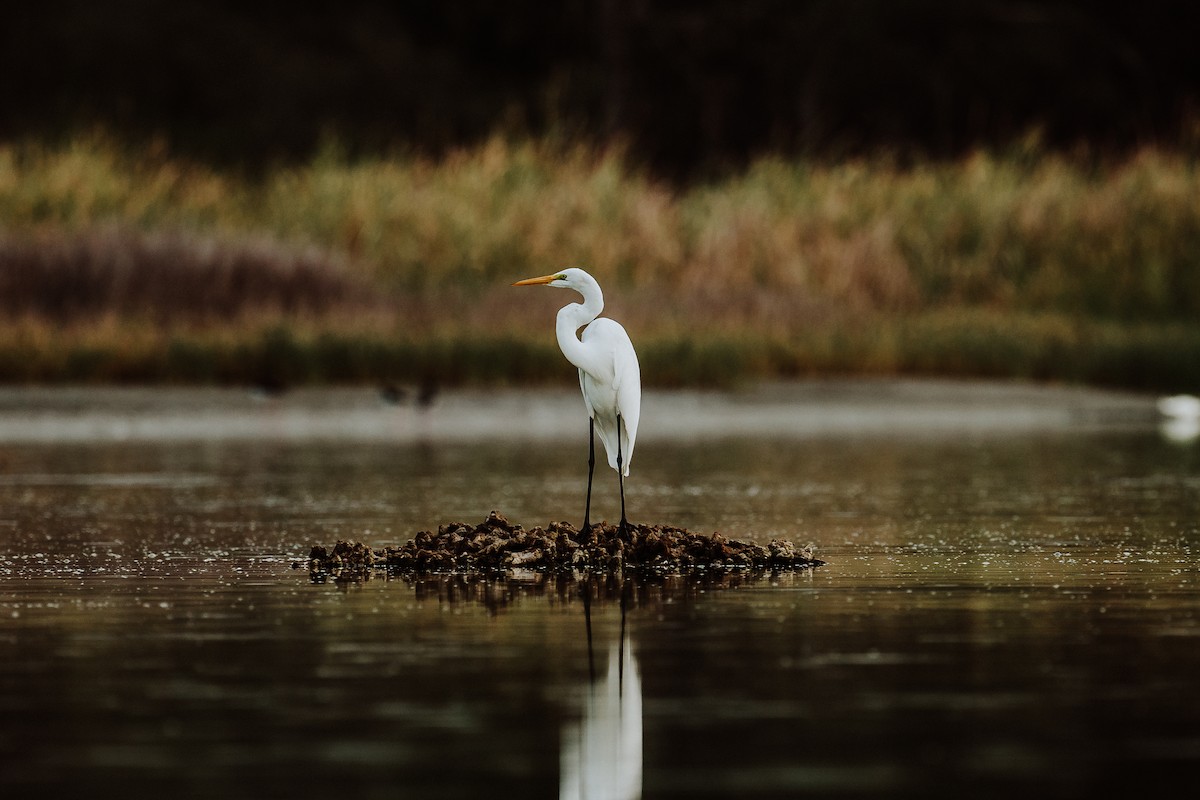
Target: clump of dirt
(345, 555)
(497, 545)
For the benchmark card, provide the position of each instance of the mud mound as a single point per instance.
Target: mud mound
(497, 545)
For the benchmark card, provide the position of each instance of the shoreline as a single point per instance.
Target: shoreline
(793, 409)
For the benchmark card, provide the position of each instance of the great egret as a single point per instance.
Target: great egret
(609, 375)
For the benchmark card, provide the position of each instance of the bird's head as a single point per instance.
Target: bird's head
(570, 278)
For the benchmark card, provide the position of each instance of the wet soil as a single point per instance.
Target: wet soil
(497, 545)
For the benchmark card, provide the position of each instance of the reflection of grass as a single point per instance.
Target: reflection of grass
(136, 266)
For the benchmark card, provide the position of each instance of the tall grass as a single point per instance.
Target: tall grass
(1024, 263)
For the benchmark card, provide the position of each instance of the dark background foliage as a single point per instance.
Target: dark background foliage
(692, 87)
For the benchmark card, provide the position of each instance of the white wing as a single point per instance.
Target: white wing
(629, 395)
(612, 385)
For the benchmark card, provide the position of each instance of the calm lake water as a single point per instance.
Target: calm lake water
(1011, 601)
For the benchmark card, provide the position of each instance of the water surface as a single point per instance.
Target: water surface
(1010, 603)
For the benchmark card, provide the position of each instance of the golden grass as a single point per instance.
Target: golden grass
(1024, 264)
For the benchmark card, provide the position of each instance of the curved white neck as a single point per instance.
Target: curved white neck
(573, 317)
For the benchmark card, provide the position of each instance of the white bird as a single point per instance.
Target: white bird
(1179, 406)
(609, 375)
(1181, 417)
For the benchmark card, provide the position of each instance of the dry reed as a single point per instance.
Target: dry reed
(1023, 264)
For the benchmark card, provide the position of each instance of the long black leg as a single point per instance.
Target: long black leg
(621, 479)
(587, 510)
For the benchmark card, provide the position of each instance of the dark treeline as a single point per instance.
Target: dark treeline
(691, 86)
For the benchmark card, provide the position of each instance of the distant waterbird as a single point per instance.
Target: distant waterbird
(394, 394)
(609, 375)
(1181, 417)
(1180, 406)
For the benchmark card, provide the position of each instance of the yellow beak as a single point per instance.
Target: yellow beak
(536, 281)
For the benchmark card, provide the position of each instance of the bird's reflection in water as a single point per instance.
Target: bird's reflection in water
(602, 752)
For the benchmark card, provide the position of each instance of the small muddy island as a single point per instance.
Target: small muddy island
(497, 545)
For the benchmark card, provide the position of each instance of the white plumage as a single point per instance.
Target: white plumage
(609, 375)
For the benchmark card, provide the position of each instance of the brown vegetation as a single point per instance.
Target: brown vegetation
(120, 265)
(166, 277)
